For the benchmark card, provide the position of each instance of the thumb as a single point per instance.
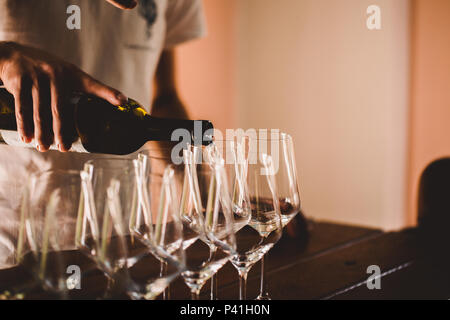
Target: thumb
(96, 88)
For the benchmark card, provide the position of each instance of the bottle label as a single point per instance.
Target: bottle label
(12, 138)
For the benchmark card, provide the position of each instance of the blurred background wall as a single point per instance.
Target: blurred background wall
(207, 68)
(356, 101)
(430, 90)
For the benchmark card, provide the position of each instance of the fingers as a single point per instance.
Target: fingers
(41, 84)
(59, 116)
(100, 90)
(24, 110)
(63, 127)
(123, 4)
(40, 96)
(42, 113)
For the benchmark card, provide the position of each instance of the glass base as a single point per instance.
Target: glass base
(264, 296)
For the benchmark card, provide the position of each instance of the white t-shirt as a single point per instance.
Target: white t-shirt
(119, 48)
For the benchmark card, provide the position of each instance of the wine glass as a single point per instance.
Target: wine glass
(154, 162)
(159, 156)
(281, 149)
(158, 225)
(49, 216)
(232, 151)
(265, 226)
(110, 188)
(206, 213)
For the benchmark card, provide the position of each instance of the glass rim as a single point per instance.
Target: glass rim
(128, 159)
(92, 162)
(70, 172)
(282, 136)
(151, 153)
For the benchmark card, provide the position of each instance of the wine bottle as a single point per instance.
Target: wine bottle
(104, 128)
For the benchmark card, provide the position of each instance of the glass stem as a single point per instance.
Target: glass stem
(109, 287)
(213, 295)
(162, 273)
(214, 287)
(243, 285)
(195, 295)
(263, 290)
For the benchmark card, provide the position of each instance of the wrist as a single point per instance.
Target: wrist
(6, 51)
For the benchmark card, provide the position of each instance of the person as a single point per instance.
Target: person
(108, 48)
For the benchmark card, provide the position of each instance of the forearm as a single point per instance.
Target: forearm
(169, 105)
(5, 53)
(5, 48)
(167, 102)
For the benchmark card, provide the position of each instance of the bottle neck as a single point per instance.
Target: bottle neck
(198, 132)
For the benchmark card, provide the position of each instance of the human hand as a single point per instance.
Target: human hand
(41, 85)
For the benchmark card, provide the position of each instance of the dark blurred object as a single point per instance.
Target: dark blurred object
(298, 231)
(434, 210)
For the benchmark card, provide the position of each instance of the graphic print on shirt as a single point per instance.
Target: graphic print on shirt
(149, 11)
